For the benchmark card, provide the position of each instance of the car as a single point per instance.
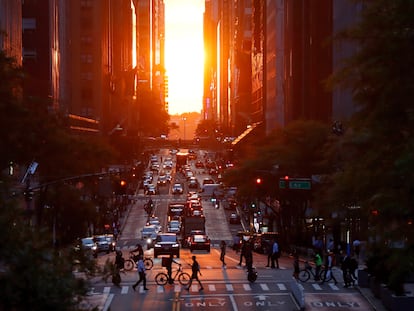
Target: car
(166, 244)
(207, 181)
(162, 180)
(177, 189)
(174, 226)
(112, 242)
(149, 234)
(199, 242)
(151, 189)
(154, 221)
(234, 218)
(102, 244)
(192, 182)
(199, 164)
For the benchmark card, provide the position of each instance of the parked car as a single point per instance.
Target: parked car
(199, 242)
(177, 189)
(166, 244)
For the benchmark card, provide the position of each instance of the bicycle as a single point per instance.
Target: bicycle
(183, 277)
(131, 262)
(307, 272)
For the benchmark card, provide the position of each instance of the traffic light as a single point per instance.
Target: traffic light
(258, 181)
(122, 186)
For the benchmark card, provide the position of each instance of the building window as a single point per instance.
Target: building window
(86, 58)
(86, 3)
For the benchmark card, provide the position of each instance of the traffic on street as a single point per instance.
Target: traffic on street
(195, 214)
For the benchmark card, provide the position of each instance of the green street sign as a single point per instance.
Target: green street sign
(295, 183)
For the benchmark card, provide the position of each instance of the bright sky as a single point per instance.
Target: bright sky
(184, 50)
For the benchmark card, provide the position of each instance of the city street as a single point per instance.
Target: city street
(224, 289)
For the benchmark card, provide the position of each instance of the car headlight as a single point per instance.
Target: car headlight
(157, 245)
(149, 241)
(175, 245)
(94, 248)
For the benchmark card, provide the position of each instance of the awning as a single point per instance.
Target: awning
(249, 130)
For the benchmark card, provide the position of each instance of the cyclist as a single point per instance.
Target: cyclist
(138, 248)
(167, 262)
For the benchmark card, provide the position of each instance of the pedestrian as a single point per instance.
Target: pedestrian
(275, 255)
(242, 251)
(318, 266)
(357, 246)
(223, 252)
(195, 269)
(329, 263)
(119, 260)
(167, 263)
(141, 273)
(269, 251)
(295, 264)
(353, 266)
(345, 267)
(236, 243)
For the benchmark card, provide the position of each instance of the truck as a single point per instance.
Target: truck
(191, 224)
(181, 158)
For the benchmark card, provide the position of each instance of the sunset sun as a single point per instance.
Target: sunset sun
(184, 55)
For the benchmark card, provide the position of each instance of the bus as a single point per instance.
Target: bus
(182, 158)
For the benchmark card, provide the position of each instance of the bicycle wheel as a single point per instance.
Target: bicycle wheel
(184, 278)
(304, 275)
(129, 264)
(148, 263)
(161, 278)
(325, 277)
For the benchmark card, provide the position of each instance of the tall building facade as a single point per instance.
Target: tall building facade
(272, 68)
(11, 28)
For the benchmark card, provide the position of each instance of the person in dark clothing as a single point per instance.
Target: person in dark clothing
(141, 273)
(269, 252)
(119, 260)
(195, 268)
(138, 249)
(345, 267)
(168, 264)
(223, 252)
(242, 252)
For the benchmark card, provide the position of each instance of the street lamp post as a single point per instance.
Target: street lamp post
(184, 119)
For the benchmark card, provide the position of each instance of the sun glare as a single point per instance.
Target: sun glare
(184, 54)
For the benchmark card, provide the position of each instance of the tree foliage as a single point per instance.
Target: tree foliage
(377, 153)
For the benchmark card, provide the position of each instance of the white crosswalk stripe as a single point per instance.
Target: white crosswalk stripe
(316, 286)
(265, 287)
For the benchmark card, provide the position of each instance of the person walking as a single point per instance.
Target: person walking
(275, 255)
(195, 268)
(223, 253)
(243, 251)
(269, 251)
(318, 266)
(141, 273)
(328, 268)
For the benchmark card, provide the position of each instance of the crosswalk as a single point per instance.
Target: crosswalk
(211, 288)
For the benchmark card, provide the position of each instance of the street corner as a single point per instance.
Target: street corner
(336, 301)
